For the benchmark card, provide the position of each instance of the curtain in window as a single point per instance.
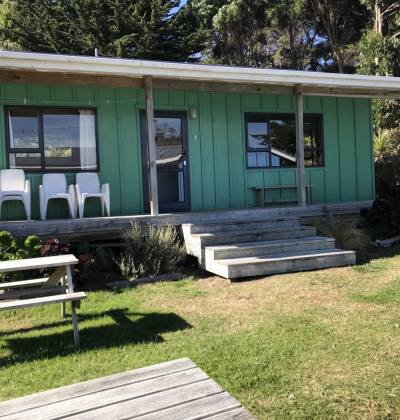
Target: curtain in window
(87, 139)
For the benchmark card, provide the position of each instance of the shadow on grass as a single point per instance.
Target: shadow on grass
(144, 328)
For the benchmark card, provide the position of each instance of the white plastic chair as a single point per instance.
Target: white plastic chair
(88, 185)
(55, 186)
(14, 186)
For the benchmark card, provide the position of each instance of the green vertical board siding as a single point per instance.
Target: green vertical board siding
(285, 103)
(161, 98)
(313, 104)
(363, 149)
(221, 150)
(271, 179)
(253, 179)
(269, 102)
(236, 152)
(219, 177)
(129, 152)
(331, 147)
(316, 178)
(347, 150)
(207, 151)
(251, 102)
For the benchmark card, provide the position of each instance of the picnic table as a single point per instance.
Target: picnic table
(57, 288)
(173, 390)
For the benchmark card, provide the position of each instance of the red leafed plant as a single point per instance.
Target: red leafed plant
(55, 247)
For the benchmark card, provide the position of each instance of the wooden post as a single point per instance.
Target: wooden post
(301, 188)
(63, 303)
(151, 144)
(73, 307)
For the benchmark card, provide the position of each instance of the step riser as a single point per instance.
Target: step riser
(258, 236)
(196, 246)
(279, 267)
(238, 226)
(216, 254)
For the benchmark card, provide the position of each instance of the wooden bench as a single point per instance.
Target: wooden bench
(262, 200)
(57, 288)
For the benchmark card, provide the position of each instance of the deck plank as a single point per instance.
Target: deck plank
(64, 393)
(114, 397)
(153, 403)
(237, 414)
(171, 390)
(221, 403)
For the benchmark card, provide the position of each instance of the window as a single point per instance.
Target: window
(271, 140)
(52, 139)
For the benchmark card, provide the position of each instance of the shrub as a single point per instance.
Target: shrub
(32, 247)
(384, 216)
(158, 252)
(105, 259)
(55, 247)
(10, 250)
(346, 234)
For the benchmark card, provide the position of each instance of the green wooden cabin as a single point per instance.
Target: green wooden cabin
(219, 131)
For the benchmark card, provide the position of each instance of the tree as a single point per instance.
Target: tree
(342, 22)
(295, 34)
(380, 54)
(195, 22)
(124, 28)
(239, 35)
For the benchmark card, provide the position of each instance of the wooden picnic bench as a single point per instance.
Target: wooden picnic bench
(57, 288)
(172, 390)
(263, 199)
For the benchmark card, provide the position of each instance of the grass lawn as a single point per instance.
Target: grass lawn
(311, 345)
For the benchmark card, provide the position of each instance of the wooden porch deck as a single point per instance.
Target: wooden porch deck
(102, 228)
(171, 390)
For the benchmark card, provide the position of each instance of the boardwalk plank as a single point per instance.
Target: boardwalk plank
(237, 414)
(95, 385)
(113, 396)
(198, 409)
(172, 390)
(153, 403)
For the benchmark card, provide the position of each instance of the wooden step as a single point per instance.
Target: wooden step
(238, 225)
(195, 243)
(281, 263)
(254, 249)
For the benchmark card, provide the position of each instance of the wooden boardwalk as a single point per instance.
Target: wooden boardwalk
(171, 390)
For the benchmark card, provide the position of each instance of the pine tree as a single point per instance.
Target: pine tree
(124, 28)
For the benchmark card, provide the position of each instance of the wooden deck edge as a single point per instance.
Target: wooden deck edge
(103, 228)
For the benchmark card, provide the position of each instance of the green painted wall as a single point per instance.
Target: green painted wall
(217, 161)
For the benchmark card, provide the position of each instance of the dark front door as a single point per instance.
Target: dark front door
(170, 128)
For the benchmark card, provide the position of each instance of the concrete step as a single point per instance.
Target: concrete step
(195, 242)
(281, 246)
(281, 263)
(238, 225)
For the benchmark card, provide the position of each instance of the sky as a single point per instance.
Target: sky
(182, 3)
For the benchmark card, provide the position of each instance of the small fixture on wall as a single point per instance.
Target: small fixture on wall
(193, 113)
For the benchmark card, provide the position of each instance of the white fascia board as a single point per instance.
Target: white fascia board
(191, 72)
